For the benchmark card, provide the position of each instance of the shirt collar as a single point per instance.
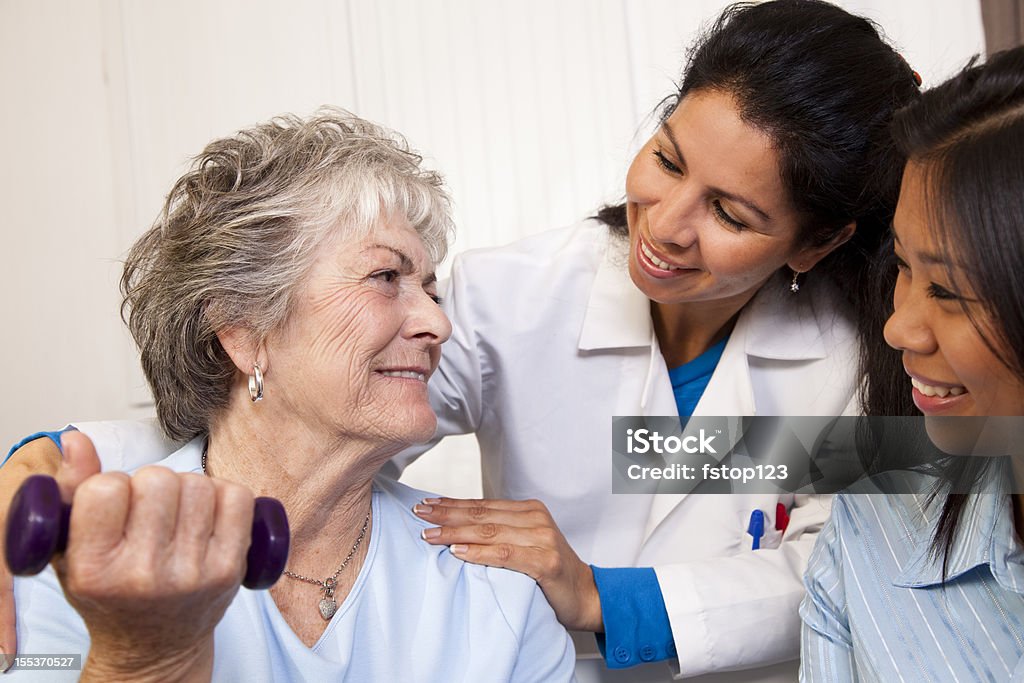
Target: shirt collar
(789, 326)
(618, 314)
(189, 457)
(985, 537)
(783, 327)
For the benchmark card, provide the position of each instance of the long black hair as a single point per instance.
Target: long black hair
(823, 85)
(967, 135)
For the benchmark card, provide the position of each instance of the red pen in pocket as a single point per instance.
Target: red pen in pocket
(781, 517)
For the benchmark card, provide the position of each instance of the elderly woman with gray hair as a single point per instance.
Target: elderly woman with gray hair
(285, 308)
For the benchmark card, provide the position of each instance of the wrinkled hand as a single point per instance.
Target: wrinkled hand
(518, 535)
(36, 457)
(152, 563)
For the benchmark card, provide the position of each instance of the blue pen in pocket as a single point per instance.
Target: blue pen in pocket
(756, 528)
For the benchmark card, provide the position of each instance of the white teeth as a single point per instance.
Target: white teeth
(941, 392)
(407, 374)
(655, 260)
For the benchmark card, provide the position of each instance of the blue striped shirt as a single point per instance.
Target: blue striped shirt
(878, 610)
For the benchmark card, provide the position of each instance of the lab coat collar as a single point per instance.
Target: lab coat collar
(794, 332)
(779, 325)
(618, 314)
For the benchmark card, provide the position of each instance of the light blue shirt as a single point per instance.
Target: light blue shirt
(416, 613)
(689, 380)
(877, 608)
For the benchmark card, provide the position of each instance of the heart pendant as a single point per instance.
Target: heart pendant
(327, 608)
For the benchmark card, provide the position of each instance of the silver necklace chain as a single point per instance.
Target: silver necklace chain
(328, 606)
(331, 581)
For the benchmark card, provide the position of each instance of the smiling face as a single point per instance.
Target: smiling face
(354, 357)
(709, 216)
(953, 370)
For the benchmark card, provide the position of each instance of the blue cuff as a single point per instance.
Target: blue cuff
(53, 436)
(636, 625)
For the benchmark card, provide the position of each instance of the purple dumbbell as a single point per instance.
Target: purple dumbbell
(37, 527)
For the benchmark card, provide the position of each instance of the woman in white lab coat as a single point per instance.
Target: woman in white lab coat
(771, 160)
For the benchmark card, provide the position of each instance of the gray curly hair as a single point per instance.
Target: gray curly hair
(238, 234)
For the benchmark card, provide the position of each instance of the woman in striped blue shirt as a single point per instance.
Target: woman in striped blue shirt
(925, 587)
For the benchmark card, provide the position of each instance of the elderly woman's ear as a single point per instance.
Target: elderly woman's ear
(243, 349)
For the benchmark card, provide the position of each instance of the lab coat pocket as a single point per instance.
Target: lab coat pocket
(772, 538)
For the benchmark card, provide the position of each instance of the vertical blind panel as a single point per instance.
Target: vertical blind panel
(524, 107)
(195, 70)
(936, 37)
(56, 238)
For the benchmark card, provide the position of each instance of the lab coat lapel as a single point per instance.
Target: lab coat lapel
(662, 402)
(729, 394)
(618, 314)
(771, 326)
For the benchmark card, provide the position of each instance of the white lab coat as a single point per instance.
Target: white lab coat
(551, 340)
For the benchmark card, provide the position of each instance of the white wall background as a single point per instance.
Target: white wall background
(530, 108)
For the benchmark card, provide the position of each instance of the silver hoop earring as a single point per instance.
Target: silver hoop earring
(256, 383)
(794, 286)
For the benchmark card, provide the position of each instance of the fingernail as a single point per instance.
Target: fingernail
(459, 549)
(431, 501)
(421, 509)
(432, 532)
(6, 661)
